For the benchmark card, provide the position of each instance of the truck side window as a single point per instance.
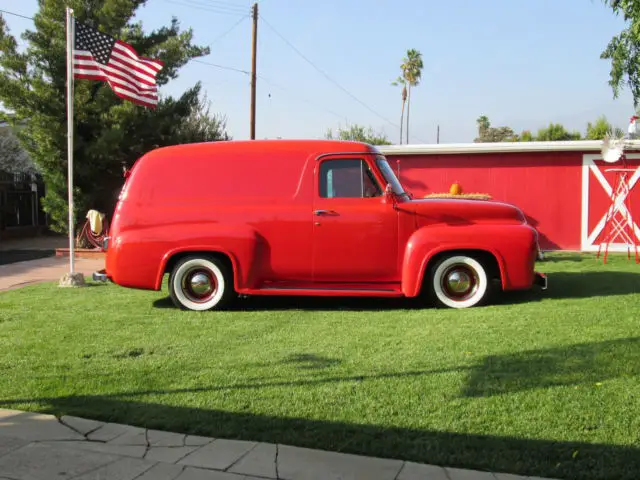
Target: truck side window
(347, 179)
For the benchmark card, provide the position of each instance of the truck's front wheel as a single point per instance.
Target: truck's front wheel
(200, 283)
(459, 281)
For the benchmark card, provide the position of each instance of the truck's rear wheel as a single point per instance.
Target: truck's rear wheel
(459, 281)
(201, 283)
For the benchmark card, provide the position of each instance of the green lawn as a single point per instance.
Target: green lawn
(545, 383)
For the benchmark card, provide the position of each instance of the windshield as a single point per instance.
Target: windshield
(389, 176)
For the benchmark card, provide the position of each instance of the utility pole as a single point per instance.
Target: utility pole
(438, 135)
(253, 70)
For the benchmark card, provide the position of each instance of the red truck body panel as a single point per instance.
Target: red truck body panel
(262, 206)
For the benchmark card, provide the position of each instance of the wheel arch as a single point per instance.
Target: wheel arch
(490, 260)
(171, 258)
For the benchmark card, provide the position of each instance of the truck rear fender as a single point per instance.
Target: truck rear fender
(239, 244)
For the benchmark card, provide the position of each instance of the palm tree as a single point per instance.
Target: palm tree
(412, 73)
(401, 81)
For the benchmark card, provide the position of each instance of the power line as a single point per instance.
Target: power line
(324, 74)
(16, 15)
(227, 32)
(224, 8)
(288, 90)
(227, 5)
(245, 72)
(204, 8)
(223, 67)
(273, 84)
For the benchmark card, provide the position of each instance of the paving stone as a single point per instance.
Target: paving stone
(5, 413)
(416, 471)
(219, 455)
(305, 464)
(81, 425)
(34, 427)
(195, 440)
(260, 461)
(460, 474)
(53, 461)
(168, 454)
(191, 473)
(165, 439)
(135, 451)
(135, 437)
(123, 469)
(162, 471)
(9, 444)
(111, 431)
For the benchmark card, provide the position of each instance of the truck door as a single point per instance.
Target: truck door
(355, 234)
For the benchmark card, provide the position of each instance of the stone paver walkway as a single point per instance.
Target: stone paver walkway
(16, 275)
(43, 447)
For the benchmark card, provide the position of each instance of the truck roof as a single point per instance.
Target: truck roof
(262, 146)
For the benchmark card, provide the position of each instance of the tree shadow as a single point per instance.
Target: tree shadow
(568, 285)
(562, 285)
(356, 304)
(309, 361)
(547, 458)
(581, 364)
(567, 257)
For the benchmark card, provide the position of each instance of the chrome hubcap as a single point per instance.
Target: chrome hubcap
(460, 282)
(199, 285)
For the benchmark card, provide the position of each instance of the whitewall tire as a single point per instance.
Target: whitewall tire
(459, 281)
(200, 283)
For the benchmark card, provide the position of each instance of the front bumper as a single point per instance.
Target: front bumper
(540, 279)
(100, 276)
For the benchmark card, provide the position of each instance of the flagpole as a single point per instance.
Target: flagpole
(70, 28)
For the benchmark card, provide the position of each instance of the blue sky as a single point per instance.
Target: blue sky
(523, 63)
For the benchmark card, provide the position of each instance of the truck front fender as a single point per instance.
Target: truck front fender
(506, 244)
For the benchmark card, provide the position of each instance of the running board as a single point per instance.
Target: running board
(326, 292)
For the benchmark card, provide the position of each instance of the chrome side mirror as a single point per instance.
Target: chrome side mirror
(389, 196)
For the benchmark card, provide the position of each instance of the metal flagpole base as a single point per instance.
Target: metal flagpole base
(72, 280)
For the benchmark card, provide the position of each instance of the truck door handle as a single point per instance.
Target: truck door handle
(324, 212)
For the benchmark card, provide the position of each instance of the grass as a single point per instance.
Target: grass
(543, 383)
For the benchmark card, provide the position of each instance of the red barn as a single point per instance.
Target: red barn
(562, 187)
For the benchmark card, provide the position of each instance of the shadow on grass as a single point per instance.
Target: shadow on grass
(358, 304)
(535, 369)
(567, 285)
(480, 452)
(581, 364)
(562, 285)
(556, 257)
(309, 361)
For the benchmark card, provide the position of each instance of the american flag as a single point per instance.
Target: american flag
(97, 56)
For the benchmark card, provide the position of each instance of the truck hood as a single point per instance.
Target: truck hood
(448, 211)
